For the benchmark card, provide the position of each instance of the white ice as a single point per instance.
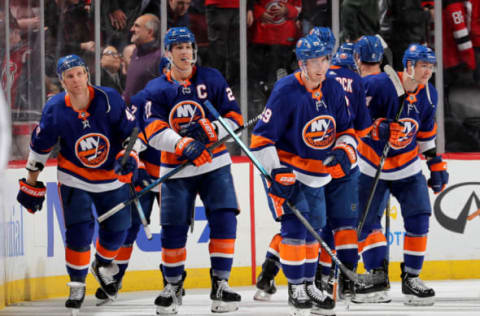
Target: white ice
(459, 298)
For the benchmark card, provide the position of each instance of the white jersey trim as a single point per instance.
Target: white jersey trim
(191, 171)
(71, 181)
(403, 173)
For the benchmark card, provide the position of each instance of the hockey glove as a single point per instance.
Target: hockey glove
(386, 129)
(142, 179)
(340, 160)
(31, 196)
(438, 174)
(193, 150)
(282, 186)
(202, 130)
(128, 171)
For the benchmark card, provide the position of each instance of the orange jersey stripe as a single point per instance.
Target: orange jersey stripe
(295, 253)
(222, 246)
(391, 162)
(152, 169)
(363, 133)
(237, 117)
(302, 163)
(106, 253)
(373, 238)
(124, 253)
(260, 141)
(427, 134)
(349, 131)
(345, 237)
(87, 173)
(172, 256)
(172, 159)
(417, 244)
(154, 127)
(77, 258)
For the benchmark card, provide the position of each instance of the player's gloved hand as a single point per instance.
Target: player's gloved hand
(340, 160)
(31, 196)
(193, 150)
(282, 186)
(386, 129)
(202, 130)
(142, 179)
(127, 172)
(438, 174)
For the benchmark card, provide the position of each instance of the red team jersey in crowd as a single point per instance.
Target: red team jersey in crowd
(89, 139)
(223, 3)
(302, 127)
(473, 20)
(283, 31)
(418, 116)
(173, 106)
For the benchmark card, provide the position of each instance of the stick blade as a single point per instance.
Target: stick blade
(397, 83)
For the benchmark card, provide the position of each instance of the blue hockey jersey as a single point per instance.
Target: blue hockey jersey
(171, 106)
(300, 127)
(89, 139)
(418, 117)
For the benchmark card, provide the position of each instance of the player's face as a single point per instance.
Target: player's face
(317, 68)
(75, 80)
(182, 55)
(423, 72)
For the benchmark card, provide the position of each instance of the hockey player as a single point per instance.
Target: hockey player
(304, 122)
(413, 134)
(91, 124)
(177, 124)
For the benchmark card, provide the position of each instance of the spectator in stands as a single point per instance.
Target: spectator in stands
(118, 17)
(111, 63)
(144, 65)
(223, 34)
(127, 56)
(358, 18)
(315, 13)
(177, 13)
(26, 12)
(198, 26)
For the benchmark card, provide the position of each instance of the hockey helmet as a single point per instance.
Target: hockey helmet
(325, 34)
(344, 56)
(369, 49)
(416, 52)
(311, 46)
(67, 62)
(178, 35)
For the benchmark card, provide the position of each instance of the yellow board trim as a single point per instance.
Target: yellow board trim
(56, 286)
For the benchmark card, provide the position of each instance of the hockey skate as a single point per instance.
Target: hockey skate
(224, 299)
(298, 300)
(321, 304)
(77, 295)
(324, 282)
(184, 275)
(346, 287)
(415, 291)
(103, 298)
(265, 282)
(104, 273)
(375, 287)
(169, 299)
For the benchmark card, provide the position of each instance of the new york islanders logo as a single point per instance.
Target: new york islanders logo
(92, 149)
(184, 113)
(319, 133)
(410, 130)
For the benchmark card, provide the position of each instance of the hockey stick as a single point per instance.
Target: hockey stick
(179, 168)
(349, 273)
(397, 83)
(141, 214)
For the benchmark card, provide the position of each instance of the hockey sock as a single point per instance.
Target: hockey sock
(108, 244)
(223, 232)
(77, 251)
(292, 249)
(373, 249)
(311, 257)
(415, 242)
(174, 253)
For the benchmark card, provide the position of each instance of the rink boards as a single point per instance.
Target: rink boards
(33, 256)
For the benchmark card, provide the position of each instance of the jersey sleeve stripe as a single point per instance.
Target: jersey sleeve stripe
(425, 135)
(364, 132)
(236, 117)
(258, 142)
(154, 128)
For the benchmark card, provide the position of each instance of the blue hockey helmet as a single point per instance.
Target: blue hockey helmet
(325, 34)
(67, 62)
(344, 56)
(416, 52)
(311, 46)
(369, 49)
(178, 35)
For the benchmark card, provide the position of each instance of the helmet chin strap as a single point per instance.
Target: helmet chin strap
(412, 76)
(192, 61)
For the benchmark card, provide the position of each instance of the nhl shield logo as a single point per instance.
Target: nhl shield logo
(319, 133)
(92, 149)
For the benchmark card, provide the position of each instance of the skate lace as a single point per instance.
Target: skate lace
(76, 291)
(299, 293)
(107, 273)
(223, 287)
(170, 291)
(417, 284)
(314, 293)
